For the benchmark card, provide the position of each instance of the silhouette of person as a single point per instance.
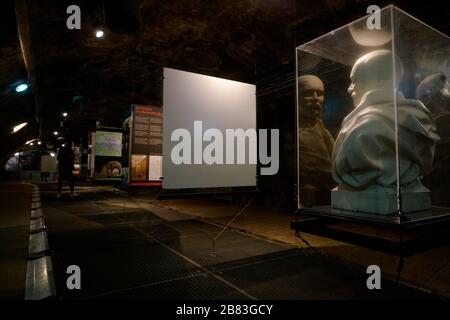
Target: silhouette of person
(65, 167)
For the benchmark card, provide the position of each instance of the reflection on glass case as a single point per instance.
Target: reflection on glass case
(373, 120)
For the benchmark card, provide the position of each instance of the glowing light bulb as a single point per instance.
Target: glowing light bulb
(22, 87)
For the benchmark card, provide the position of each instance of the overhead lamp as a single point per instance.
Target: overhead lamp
(52, 154)
(30, 141)
(39, 143)
(65, 114)
(99, 33)
(55, 133)
(32, 144)
(22, 87)
(19, 127)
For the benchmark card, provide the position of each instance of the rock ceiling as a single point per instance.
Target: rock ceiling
(242, 40)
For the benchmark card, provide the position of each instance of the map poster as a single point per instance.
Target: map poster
(147, 130)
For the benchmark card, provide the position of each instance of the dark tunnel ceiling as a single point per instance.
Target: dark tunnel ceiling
(236, 39)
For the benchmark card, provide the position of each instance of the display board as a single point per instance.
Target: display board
(139, 168)
(147, 130)
(219, 104)
(48, 164)
(108, 144)
(154, 168)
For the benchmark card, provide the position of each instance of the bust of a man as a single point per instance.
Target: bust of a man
(364, 155)
(315, 143)
(434, 92)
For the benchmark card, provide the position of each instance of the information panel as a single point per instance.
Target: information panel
(108, 144)
(147, 130)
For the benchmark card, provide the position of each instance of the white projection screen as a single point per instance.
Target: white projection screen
(218, 103)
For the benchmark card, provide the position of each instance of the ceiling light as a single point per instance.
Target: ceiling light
(52, 154)
(31, 144)
(22, 87)
(19, 126)
(55, 133)
(39, 143)
(30, 141)
(65, 114)
(99, 34)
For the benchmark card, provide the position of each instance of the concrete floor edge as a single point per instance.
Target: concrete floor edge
(40, 282)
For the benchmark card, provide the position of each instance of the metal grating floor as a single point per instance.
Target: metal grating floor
(197, 287)
(134, 254)
(311, 277)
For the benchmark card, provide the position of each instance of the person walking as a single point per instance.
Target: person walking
(65, 168)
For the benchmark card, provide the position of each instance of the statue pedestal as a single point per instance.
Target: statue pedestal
(381, 201)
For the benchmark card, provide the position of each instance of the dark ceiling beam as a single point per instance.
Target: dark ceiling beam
(24, 33)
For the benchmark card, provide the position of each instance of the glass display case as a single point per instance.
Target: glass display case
(373, 120)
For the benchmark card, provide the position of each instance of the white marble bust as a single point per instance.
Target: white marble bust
(364, 155)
